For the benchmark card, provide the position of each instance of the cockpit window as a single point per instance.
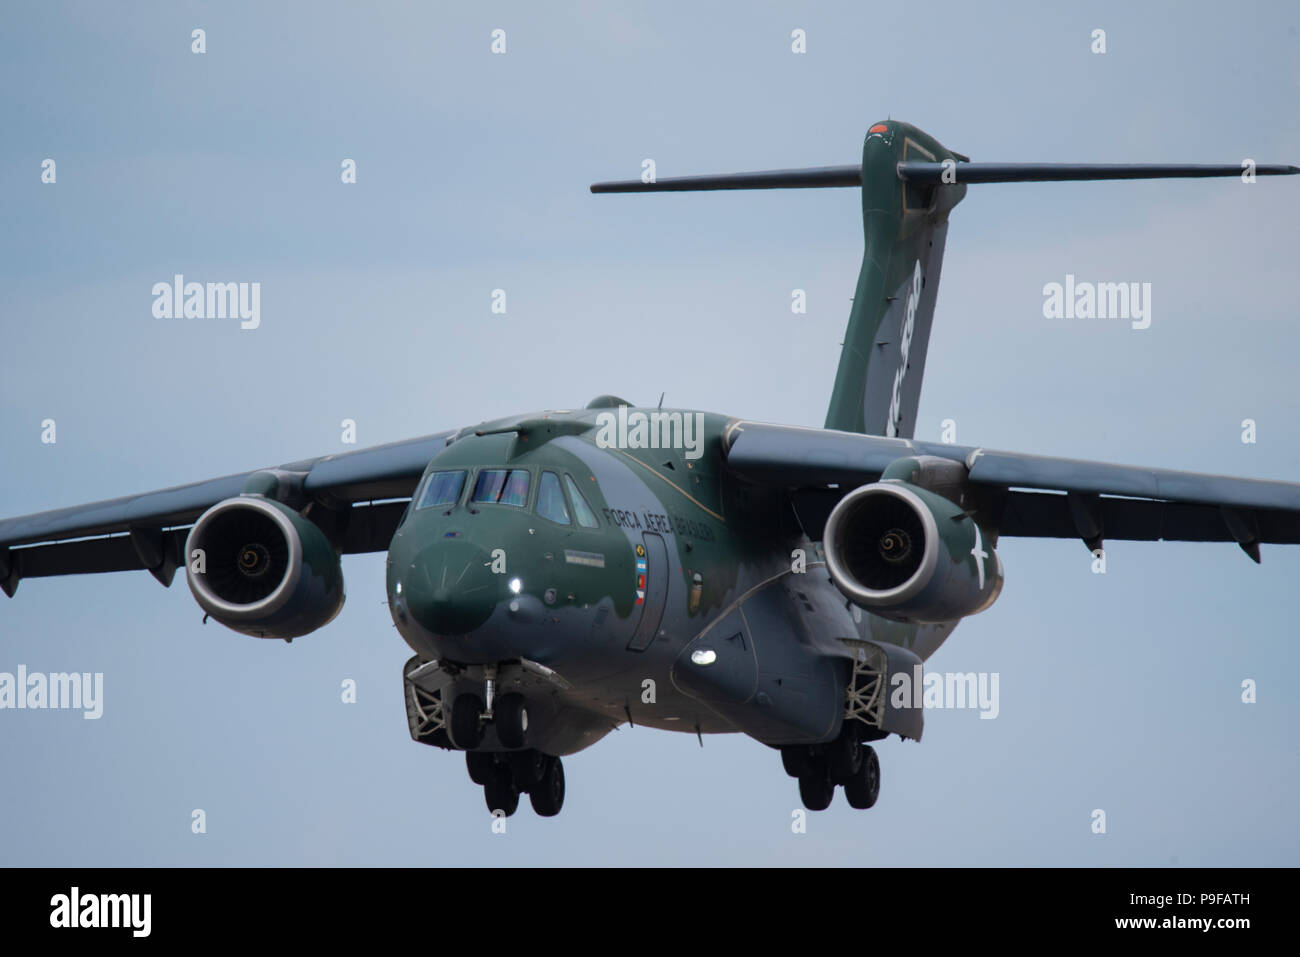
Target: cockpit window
(502, 486)
(586, 517)
(444, 488)
(550, 500)
(516, 490)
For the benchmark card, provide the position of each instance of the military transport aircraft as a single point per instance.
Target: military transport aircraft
(559, 573)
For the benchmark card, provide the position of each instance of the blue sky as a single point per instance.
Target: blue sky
(1119, 692)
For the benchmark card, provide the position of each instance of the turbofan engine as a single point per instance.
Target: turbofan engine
(262, 569)
(907, 554)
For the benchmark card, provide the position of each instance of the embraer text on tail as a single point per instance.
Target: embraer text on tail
(904, 346)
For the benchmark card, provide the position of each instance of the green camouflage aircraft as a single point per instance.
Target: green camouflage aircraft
(559, 573)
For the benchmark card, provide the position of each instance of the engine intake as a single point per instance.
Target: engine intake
(908, 554)
(261, 569)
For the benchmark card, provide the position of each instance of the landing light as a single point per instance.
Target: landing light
(398, 588)
(515, 586)
(704, 656)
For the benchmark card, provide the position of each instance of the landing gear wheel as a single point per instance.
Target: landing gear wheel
(797, 760)
(547, 796)
(466, 731)
(481, 766)
(844, 754)
(864, 787)
(816, 788)
(527, 767)
(501, 793)
(511, 720)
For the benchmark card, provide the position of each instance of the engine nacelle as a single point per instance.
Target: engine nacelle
(262, 569)
(907, 554)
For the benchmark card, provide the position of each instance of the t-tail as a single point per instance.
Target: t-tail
(910, 183)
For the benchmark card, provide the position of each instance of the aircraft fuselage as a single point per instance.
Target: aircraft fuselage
(674, 595)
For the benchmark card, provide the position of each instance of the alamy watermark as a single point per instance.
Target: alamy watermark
(179, 299)
(651, 430)
(1098, 300)
(939, 690)
(126, 911)
(35, 691)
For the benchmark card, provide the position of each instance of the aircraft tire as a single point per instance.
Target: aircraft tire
(511, 720)
(864, 788)
(547, 796)
(500, 793)
(844, 754)
(796, 760)
(466, 732)
(481, 766)
(527, 767)
(817, 789)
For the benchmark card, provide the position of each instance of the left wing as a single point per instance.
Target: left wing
(148, 531)
(1035, 496)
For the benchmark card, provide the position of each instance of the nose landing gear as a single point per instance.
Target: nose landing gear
(469, 719)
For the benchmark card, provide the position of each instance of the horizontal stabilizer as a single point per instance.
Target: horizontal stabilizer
(922, 172)
(916, 171)
(814, 178)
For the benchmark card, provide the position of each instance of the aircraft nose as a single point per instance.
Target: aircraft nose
(450, 589)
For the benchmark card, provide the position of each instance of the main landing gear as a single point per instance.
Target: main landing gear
(846, 761)
(504, 776)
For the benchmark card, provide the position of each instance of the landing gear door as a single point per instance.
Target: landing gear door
(651, 589)
(870, 697)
